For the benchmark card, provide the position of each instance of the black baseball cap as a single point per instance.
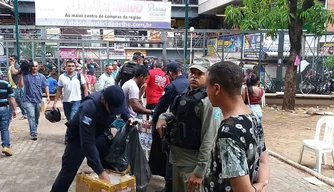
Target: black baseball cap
(139, 54)
(114, 96)
(172, 66)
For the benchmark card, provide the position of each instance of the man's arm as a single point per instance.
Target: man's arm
(45, 85)
(133, 96)
(87, 136)
(11, 99)
(210, 123)
(264, 169)
(58, 94)
(164, 102)
(142, 90)
(138, 108)
(21, 83)
(13, 70)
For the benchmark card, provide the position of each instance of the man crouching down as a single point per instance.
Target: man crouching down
(189, 130)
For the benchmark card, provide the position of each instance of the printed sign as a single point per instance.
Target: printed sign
(103, 13)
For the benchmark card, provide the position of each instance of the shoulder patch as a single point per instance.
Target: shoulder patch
(216, 114)
(87, 120)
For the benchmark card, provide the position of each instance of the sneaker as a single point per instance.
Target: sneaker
(23, 117)
(7, 151)
(34, 137)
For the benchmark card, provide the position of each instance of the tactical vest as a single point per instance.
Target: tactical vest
(128, 72)
(185, 130)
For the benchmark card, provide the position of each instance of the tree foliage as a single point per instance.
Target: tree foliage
(274, 15)
(329, 62)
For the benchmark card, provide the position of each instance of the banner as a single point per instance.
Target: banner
(113, 54)
(232, 44)
(326, 48)
(108, 35)
(104, 13)
(129, 53)
(67, 53)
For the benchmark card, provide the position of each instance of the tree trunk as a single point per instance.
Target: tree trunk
(295, 35)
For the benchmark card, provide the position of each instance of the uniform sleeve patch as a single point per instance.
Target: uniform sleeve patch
(87, 120)
(216, 115)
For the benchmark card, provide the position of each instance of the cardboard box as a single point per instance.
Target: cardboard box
(89, 182)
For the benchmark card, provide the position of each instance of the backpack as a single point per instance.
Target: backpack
(128, 72)
(81, 86)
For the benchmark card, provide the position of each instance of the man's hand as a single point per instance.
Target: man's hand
(259, 186)
(14, 113)
(104, 176)
(159, 126)
(48, 100)
(193, 182)
(131, 121)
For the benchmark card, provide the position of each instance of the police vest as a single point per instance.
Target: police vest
(185, 129)
(128, 72)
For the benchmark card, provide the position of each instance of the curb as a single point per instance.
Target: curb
(322, 178)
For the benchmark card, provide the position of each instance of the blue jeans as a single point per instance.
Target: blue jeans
(18, 92)
(33, 112)
(70, 109)
(256, 110)
(4, 123)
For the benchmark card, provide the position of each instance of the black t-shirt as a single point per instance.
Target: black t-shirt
(237, 151)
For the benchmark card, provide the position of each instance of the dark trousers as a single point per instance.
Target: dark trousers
(159, 161)
(150, 106)
(71, 162)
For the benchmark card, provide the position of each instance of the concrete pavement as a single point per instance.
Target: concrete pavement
(35, 164)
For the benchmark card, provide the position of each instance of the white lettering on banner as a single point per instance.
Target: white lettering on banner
(160, 80)
(104, 13)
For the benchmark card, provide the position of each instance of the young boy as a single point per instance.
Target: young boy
(239, 161)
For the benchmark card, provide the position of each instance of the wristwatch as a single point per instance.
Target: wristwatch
(152, 111)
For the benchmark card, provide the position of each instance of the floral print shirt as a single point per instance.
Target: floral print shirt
(236, 152)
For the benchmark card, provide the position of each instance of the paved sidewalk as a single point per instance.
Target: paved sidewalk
(35, 164)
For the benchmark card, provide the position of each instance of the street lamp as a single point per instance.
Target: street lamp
(191, 29)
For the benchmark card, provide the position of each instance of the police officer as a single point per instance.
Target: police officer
(191, 128)
(158, 161)
(86, 135)
(127, 70)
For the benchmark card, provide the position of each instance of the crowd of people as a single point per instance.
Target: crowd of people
(206, 124)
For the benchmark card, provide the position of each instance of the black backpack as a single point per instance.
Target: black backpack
(128, 72)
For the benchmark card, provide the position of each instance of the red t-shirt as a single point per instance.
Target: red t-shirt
(156, 83)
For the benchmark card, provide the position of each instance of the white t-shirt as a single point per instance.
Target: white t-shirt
(71, 86)
(131, 91)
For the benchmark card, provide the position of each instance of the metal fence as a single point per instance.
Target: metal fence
(251, 48)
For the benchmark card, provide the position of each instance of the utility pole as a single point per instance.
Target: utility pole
(16, 10)
(186, 25)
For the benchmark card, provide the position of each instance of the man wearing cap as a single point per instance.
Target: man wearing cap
(158, 160)
(128, 70)
(191, 128)
(86, 135)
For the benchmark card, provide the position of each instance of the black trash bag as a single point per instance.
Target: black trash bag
(139, 166)
(126, 150)
(117, 157)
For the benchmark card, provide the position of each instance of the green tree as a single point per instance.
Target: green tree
(275, 15)
(27, 51)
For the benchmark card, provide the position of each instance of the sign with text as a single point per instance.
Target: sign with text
(104, 13)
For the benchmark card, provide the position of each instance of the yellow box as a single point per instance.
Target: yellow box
(86, 183)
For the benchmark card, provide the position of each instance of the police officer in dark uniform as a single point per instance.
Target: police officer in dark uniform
(158, 160)
(190, 132)
(127, 71)
(86, 134)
